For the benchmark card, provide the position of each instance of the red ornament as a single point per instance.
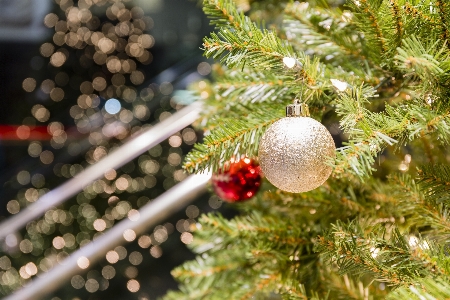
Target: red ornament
(240, 182)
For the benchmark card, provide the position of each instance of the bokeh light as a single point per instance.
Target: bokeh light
(112, 106)
(83, 262)
(91, 94)
(133, 285)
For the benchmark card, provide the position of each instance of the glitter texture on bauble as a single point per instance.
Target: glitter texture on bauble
(294, 150)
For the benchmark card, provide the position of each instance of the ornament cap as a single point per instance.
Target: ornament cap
(298, 109)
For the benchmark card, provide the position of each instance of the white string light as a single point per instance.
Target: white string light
(128, 151)
(149, 215)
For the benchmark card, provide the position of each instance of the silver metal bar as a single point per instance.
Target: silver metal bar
(128, 151)
(149, 215)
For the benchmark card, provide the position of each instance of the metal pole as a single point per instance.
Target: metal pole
(149, 215)
(128, 151)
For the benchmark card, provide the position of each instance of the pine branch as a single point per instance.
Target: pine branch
(344, 287)
(426, 121)
(367, 20)
(212, 278)
(255, 230)
(254, 87)
(435, 182)
(240, 42)
(243, 251)
(386, 260)
(416, 16)
(424, 23)
(336, 199)
(231, 95)
(223, 14)
(358, 158)
(426, 288)
(443, 14)
(398, 21)
(370, 133)
(419, 212)
(391, 24)
(242, 38)
(329, 33)
(260, 285)
(235, 50)
(421, 61)
(231, 138)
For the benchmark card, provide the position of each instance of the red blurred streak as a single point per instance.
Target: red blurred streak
(10, 133)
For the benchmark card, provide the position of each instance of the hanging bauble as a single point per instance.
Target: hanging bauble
(294, 150)
(240, 182)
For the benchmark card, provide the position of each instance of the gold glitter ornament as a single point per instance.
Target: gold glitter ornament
(294, 150)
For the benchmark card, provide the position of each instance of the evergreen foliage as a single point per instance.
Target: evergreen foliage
(378, 228)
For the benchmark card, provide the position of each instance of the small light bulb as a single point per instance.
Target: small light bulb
(413, 241)
(340, 85)
(289, 62)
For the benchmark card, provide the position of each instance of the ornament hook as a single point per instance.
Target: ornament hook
(298, 109)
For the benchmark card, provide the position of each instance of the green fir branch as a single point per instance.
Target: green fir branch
(418, 16)
(214, 277)
(345, 287)
(423, 288)
(422, 61)
(370, 133)
(426, 121)
(232, 138)
(435, 182)
(391, 25)
(358, 158)
(233, 91)
(327, 35)
(370, 253)
(244, 41)
(330, 36)
(444, 11)
(255, 230)
(367, 18)
(240, 42)
(244, 250)
(420, 213)
(254, 87)
(397, 18)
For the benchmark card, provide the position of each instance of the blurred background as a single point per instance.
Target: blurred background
(77, 79)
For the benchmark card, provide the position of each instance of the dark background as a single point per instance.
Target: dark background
(179, 26)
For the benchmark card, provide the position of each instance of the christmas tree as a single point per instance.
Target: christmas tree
(376, 73)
